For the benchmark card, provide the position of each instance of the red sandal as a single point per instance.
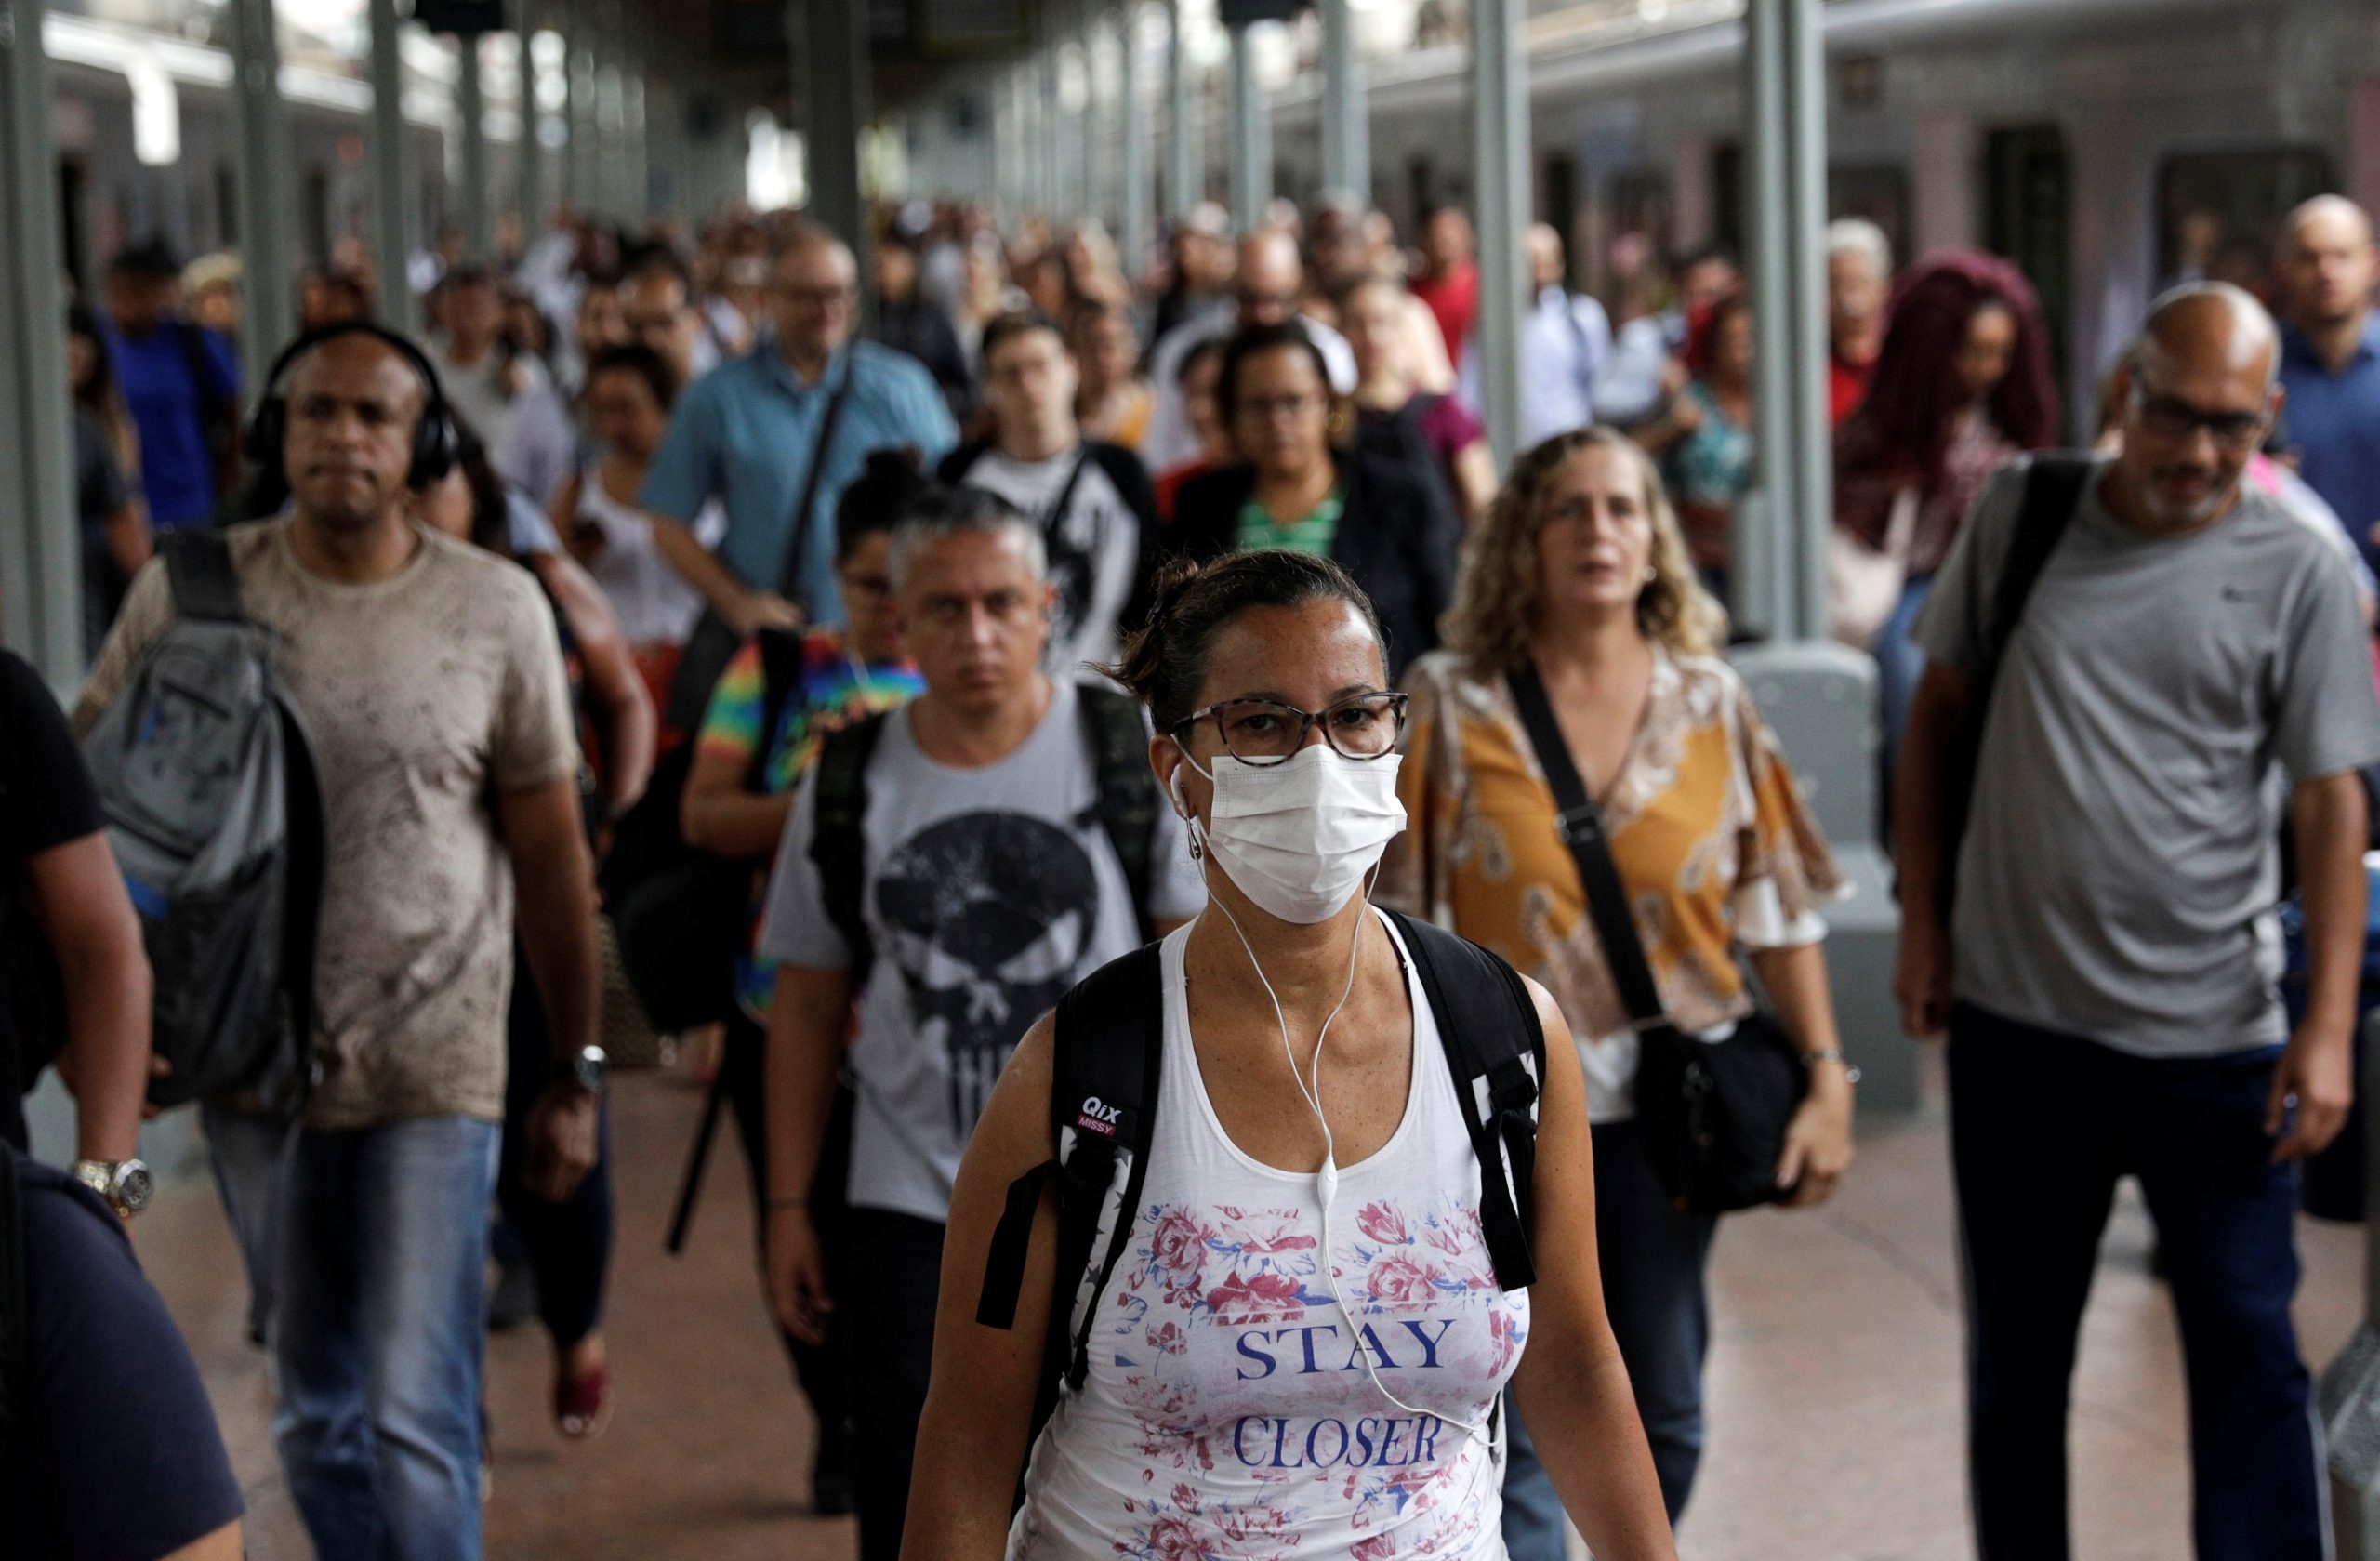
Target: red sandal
(583, 1405)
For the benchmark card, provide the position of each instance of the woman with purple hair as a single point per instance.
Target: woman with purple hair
(1962, 383)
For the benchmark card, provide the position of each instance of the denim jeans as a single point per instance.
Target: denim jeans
(379, 1335)
(245, 1149)
(2042, 1126)
(1653, 1260)
(1899, 664)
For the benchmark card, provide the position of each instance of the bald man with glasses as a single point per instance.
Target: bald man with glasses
(2188, 655)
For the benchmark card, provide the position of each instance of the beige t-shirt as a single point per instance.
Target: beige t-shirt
(424, 694)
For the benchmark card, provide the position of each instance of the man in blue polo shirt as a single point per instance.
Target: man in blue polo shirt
(181, 383)
(750, 434)
(2330, 361)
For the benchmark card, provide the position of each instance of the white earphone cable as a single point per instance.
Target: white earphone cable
(1326, 1178)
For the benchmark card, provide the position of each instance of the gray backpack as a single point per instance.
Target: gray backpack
(213, 810)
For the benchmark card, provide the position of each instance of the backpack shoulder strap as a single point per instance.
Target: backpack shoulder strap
(836, 842)
(1108, 1038)
(1495, 1048)
(780, 681)
(16, 1347)
(198, 565)
(1119, 735)
(2054, 486)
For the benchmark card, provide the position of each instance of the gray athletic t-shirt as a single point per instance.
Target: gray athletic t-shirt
(2120, 871)
(990, 891)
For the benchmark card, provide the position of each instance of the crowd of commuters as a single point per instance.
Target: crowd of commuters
(974, 640)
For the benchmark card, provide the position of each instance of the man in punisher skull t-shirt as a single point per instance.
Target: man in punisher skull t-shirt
(988, 886)
(1093, 502)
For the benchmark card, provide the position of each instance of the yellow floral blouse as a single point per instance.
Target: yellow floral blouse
(1707, 828)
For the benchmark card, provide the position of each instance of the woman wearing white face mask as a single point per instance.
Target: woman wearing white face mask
(1299, 1348)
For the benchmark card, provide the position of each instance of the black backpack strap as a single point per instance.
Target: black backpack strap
(2054, 485)
(837, 844)
(16, 1345)
(1119, 735)
(780, 681)
(1495, 1046)
(198, 565)
(1109, 1039)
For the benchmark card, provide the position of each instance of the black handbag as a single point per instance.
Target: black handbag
(1713, 1115)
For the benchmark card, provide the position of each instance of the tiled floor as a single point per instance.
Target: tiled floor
(1833, 1383)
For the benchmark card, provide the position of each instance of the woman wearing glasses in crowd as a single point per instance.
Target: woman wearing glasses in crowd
(1308, 1343)
(1291, 487)
(1580, 572)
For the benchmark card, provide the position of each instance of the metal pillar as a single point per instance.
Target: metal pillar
(838, 65)
(637, 165)
(1053, 141)
(260, 132)
(1252, 136)
(470, 107)
(393, 238)
(1182, 189)
(578, 115)
(1346, 117)
(1782, 586)
(1499, 141)
(1091, 132)
(1819, 697)
(529, 189)
(40, 573)
(1133, 198)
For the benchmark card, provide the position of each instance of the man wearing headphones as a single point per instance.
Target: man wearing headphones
(431, 683)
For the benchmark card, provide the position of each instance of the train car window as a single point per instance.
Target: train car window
(1878, 191)
(1730, 220)
(2218, 212)
(2027, 190)
(1560, 207)
(227, 204)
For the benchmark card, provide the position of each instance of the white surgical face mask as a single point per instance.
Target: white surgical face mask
(1299, 836)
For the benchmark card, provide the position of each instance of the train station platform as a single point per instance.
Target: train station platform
(1834, 1395)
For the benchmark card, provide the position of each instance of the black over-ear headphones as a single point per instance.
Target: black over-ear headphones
(434, 437)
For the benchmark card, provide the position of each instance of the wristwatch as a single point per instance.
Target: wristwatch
(124, 1183)
(583, 1069)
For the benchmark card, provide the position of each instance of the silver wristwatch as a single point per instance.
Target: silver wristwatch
(124, 1183)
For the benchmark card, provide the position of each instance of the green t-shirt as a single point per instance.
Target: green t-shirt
(1312, 533)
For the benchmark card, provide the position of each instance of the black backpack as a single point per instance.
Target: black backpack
(1118, 735)
(215, 811)
(1105, 1079)
(678, 913)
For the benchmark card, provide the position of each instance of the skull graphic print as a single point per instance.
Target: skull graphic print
(989, 915)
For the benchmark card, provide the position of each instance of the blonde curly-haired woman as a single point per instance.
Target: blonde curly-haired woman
(1580, 572)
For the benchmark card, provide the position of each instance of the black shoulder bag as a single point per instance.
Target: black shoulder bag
(1713, 1115)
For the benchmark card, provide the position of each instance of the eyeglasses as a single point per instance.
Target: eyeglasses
(1264, 409)
(1267, 731)
(1252, 302)
(814, 298)
(2172, 417)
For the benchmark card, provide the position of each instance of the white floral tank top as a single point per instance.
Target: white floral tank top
(1227, 1413)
